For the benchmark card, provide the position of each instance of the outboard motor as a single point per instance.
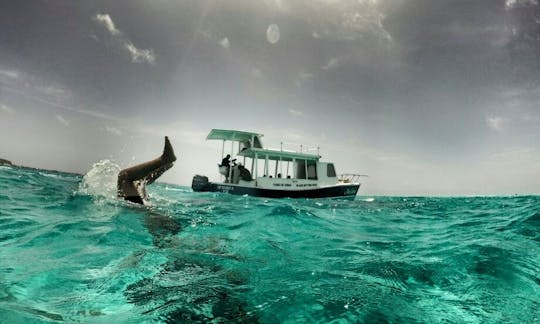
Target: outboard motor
(200, 183)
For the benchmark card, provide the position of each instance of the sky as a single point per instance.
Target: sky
(427, 97)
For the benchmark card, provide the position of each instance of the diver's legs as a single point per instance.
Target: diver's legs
(156, 174)
(148, 171)
(143, 170)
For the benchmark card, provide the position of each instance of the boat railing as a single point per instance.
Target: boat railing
(351, 177)
(299, 148)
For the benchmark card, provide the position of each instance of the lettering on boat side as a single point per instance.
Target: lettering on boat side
(224, 188)
(307, 185)
(281, 184)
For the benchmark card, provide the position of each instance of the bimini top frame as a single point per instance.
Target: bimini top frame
(236, 136)
(275, 155)
(251, 146)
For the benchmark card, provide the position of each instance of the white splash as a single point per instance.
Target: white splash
(101, 180)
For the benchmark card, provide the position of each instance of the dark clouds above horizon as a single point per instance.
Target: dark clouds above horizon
(434, 82)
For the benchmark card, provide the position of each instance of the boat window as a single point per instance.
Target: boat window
(244, 145)
(312, 170)
(330, 171)
(257, 142)
(300, 169)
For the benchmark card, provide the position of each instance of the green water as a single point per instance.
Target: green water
(71, 252)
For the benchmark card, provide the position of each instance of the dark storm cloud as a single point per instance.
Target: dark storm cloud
(448, 58)
(433, 38)
(385, 54)
(474, 43)
(64, 42)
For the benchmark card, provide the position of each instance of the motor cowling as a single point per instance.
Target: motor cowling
(200, 183)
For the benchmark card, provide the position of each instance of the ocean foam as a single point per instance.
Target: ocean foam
(101, 180)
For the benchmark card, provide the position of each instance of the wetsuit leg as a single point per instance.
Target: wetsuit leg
(146, 172)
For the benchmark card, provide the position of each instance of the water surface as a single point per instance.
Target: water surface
(71, 252)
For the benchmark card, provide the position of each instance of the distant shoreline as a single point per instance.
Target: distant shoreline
(5, 162)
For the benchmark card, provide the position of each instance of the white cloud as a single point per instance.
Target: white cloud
(181, 130)
(345, 19)
(113, 130)
(45, 92)
(6, 109)
(511, 4)
(106, 21)
(303, 78)
(62, 120)
(52, 90)
(296, 113)
(138, 55)
(256, 73)
(26, 83)
(495, 122)
(225, 43)
(39, 97)
(207, 34)
(94, 37)
(388, 158)
(12, 74)
(332, 63)
(515, 154)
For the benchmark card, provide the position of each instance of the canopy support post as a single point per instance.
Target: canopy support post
(256, 166)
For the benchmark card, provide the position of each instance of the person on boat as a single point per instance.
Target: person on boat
(132, 181)
(224, 167)
(226, 161)
(244, 173)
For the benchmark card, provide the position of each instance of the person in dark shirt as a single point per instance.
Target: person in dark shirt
(226, 161)
(244, 173)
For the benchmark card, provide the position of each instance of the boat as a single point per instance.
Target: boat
(274, 173)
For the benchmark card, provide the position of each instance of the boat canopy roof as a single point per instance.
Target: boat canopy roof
(231, 135)
(251, 146)
(277, 155)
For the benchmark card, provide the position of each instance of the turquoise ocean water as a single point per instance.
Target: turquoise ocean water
(71, 252)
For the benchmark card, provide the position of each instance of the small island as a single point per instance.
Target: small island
(5, 162)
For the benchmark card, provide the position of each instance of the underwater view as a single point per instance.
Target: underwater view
(72, 252)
